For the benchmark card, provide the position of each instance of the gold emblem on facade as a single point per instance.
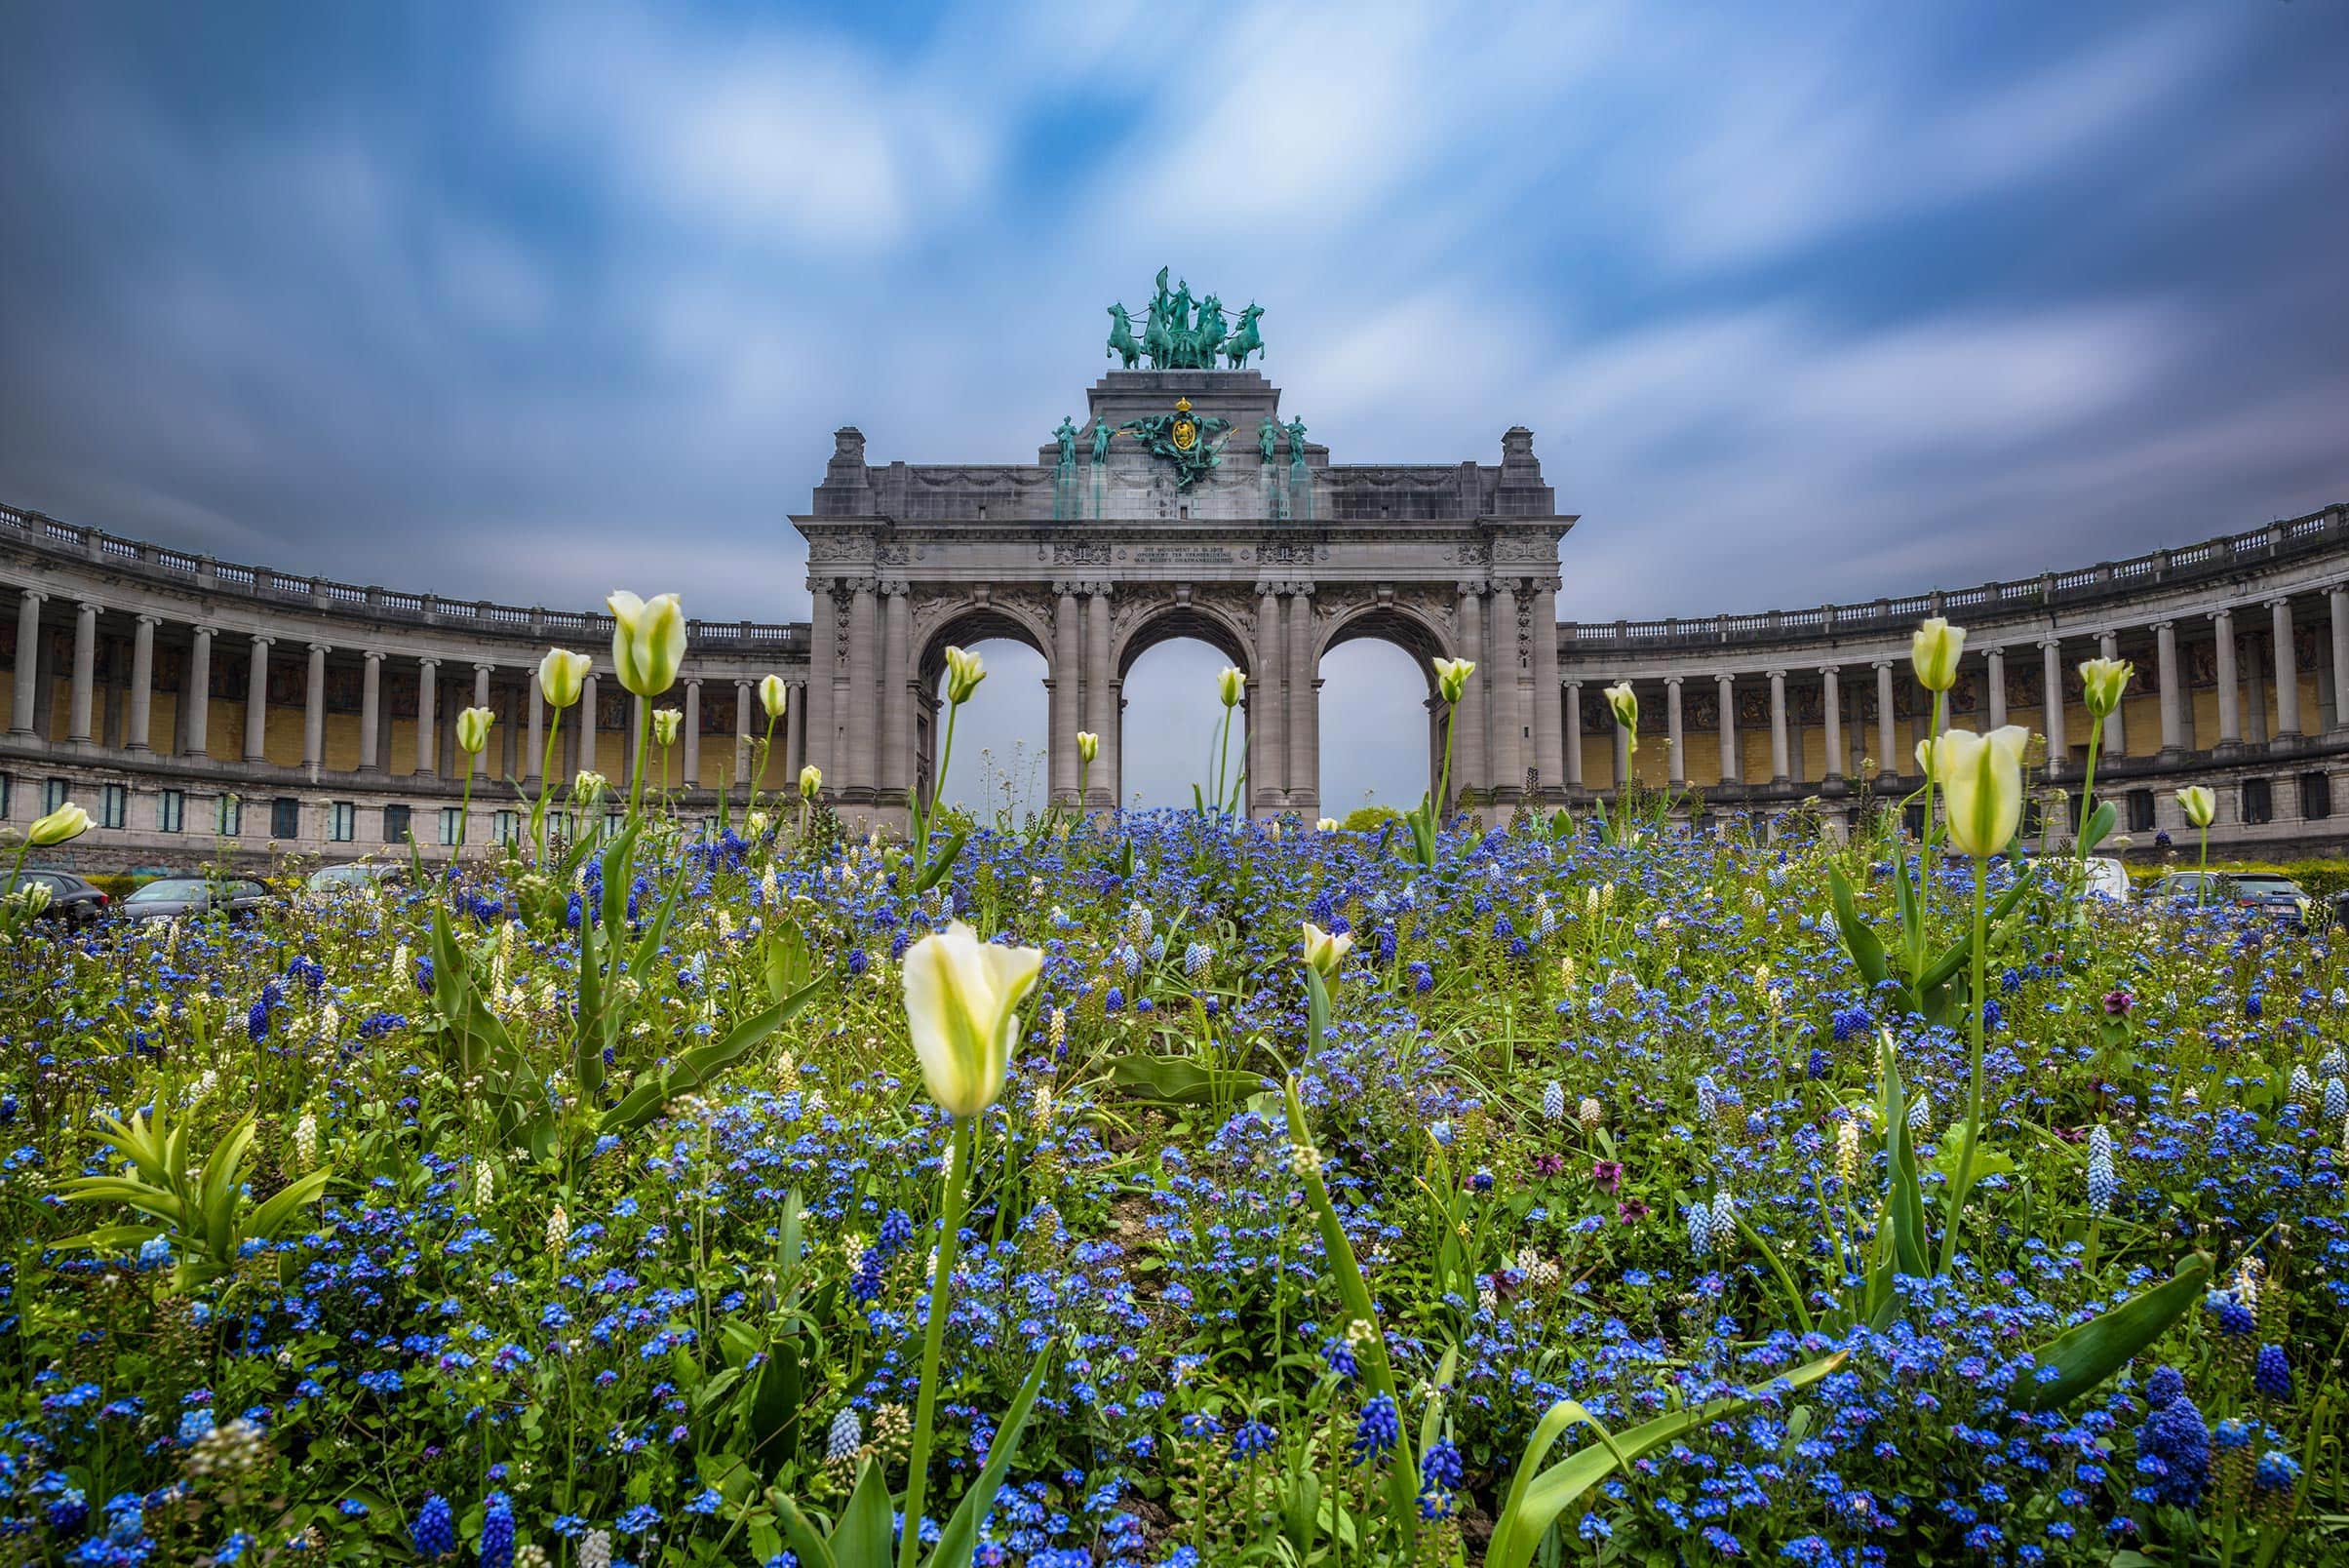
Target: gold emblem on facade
(1186, 431)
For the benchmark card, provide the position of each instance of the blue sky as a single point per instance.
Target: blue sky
(1802, 301)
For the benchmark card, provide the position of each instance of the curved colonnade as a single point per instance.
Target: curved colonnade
(184, 700)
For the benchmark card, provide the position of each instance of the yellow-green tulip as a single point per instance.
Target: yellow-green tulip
(774, 695)
(31, 898)
(1229, 683)
(1625, 703)
(1088, 745)
(1326, 825)
(666, 722)
(1925, 756)
(1981, 778)
(961, 1008)
(586, 785)
(2102, 682)
(562, 675)
(1935, 650)
(964, 670)
(1325, 951)
(648, 641)
(68, 822)
(811, 780)
(2198, 803)
(473, 731)
(1452, 677)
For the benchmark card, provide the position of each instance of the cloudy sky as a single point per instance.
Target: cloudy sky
(1817, 302)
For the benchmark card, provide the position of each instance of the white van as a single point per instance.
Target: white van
(2107, 877)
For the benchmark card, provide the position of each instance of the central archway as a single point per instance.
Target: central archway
(1001, 737)
(1166, 665)
(1377, 692)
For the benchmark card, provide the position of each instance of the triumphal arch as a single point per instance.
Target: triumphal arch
(1183, 504)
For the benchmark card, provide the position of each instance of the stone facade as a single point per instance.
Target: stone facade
(186, 701)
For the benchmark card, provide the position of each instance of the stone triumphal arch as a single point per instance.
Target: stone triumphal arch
(1183, 505)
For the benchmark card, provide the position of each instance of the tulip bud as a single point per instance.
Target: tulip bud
(774, 695)
(1229, 683)
(68, 822)
(1934, 649)
(473, 731)
(666, 722)
(1452, 677)
(32, 898)
(1982, 777)
(1625, 703)
(964, 670)
(2102, 682)
(961, 1008)
(2198, 803)
(562, 675)
(811, 780)
(1326, 825)
(586, 785)
(1323, 950)
(648, 641)
(1925, 756)
(1088, 745)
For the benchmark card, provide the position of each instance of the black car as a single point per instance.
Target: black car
(72, 899)
(185, 895)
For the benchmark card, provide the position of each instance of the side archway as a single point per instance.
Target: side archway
(1005, 723)
(1375, 684)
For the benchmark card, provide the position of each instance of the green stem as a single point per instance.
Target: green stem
(1916, 957)
(546, 786)
(464, 811)
(644, 741)
(2201, 881)
(950, 1238)
(945, 759)
(1975, 1007)
(1443, 783)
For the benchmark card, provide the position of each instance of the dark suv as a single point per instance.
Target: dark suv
(74, 900)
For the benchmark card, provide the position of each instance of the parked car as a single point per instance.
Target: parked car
(2262, 890)
(2108, 878)
(185, 895)
(327, 881)
(72, 899)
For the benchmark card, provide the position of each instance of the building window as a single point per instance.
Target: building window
(614, 821)
(396, 823)
(452, 821)
(231, 816)
(2258, 804)
(2141, 810)
(2316, 796)
(343, 821)
(53, 792)
(507, 825)
(170, 811)
(285, 817)
(113, 805)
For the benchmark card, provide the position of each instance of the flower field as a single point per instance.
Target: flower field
(1511, 1190)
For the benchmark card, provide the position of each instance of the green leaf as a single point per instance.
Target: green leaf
(695, 1067)
(864, 1535)
(960, 1536)
(2098, 826)
(1176, 1080)
(774, 1406)
(271, 1217)
(1858, 940)
(806, 1543)
(1535, 1500)
(938, 868)
(2087, 1354)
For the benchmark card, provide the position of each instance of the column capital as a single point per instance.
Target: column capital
(264, 640)
(1268, 589)
(1880, 666)
(1674, 680)
(31, 595)
(88, 607)
(2164, 625)
(1097, 590)
(1996, 651)
(1063, 588)
(2227, 614)
(1781, 675)
(2280, 602)
(147, 617)
(322, 647)
(374, 655)
(1830, 671)
(742, 682)
(896, 587)
(1574, 683)
(484, 667)
(693, 681)
(426, 661)
(1301, 590)
(1725, 678)
(1468, 589)
(2054, 645)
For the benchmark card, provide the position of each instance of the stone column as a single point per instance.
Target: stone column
(142, 684)
(1305, 698)
(1623, 758)
(1675, 737)
(427, 731)
(1470, 764)
(1830, 693)
(370, 710)
(896, 707)
(1065, 700)
(1726, 688)
(795, 735)
(314, 711)
(2173, 705)
(2050, 713)
(1888, 745)
(20, 725)
(257, 704)
(2116, 733)
(1572, 720)
(746, 738)
(1267, 733)
(2337, 599)
(1994, 676)
(1508, 738)
(2230, 683)
(197, 699)
(860, 733)
(533, 745)
(509, 765)
(84, 673)
(689, 739)
(1779, 771)
(1100, 697)
(823, 668)
(2288, 675)
(1548, 757)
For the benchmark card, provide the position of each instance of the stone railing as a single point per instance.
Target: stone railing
(161, 565)
(2212, 559)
